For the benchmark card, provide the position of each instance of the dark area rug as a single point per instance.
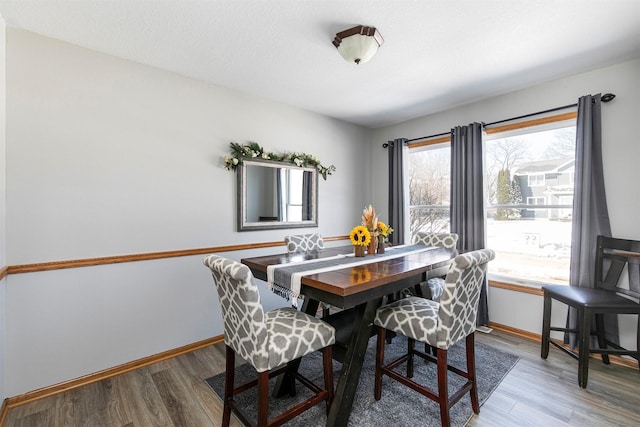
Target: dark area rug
(399, 406)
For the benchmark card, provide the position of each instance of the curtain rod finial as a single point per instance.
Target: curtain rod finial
(607, 97)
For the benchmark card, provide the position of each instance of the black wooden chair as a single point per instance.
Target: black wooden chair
(610, 296)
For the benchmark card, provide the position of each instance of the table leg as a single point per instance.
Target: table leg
(286, 383)
(352, 365)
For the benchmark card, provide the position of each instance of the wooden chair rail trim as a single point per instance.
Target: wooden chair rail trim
(87, 262)
(41, 393)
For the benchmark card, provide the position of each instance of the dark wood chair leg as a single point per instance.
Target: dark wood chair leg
(228, 385)
(443, 387)
(471, 372)
(601, 339)
(638, 342)
(327, 365)
(411, 343)
(263, 398)
(584, 317)
(377, 388)
(546, 326)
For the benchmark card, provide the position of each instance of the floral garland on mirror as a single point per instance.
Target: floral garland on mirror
(253, 150)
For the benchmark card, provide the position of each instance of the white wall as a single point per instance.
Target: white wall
(109, 157)
(621, 152)
(3, 212)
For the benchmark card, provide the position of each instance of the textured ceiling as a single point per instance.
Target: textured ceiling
(436, 55)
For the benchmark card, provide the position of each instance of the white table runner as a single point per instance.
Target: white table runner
(285, 279)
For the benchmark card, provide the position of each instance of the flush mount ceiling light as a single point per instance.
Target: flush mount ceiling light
(358, 44)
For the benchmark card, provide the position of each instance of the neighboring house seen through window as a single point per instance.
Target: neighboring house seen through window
(529, 176)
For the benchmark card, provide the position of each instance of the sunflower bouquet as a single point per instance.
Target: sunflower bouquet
(360, 238)
(384, 230)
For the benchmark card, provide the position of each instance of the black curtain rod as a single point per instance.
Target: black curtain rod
(551, 110)
(605, 98)
(430, 136)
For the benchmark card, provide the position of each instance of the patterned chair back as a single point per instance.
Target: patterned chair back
(245, 330)
(304, 243)
(459, 301)
(441, 240)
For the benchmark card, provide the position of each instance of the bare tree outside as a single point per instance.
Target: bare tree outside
(563, 146)
(429, 184)
(503, 154)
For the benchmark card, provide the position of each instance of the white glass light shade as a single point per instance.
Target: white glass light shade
(358, 44)
(358, 48)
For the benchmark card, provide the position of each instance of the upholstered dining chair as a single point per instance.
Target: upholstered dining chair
(267, 341)
(299, 243)
(304, 243)
(610, 296)
(434, 286)
(440, 325)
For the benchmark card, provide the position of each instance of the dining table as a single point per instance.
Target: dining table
(356, 287)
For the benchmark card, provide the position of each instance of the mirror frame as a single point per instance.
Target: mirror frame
(244, 225)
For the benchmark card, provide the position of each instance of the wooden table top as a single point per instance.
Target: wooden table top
(349, 286)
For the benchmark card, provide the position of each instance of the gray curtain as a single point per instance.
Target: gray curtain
(467, 197)
(590, 213)
(396, 190)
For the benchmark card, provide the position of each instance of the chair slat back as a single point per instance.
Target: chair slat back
(245, 330)
(459, 301)
(441, 240)
(613, 255)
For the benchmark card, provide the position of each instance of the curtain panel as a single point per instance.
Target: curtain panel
(590, 213)
(396, 190)
(467, 198)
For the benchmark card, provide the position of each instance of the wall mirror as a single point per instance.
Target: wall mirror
(273, 195)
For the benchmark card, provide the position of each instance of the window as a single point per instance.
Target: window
(536, 180)
(291, 181)
(526, 168)
(535, 200)
(429, 184)
(529, 176)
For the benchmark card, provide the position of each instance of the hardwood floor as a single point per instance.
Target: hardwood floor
(173, 393)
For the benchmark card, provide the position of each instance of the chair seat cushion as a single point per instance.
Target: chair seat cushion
(293, 334)
(594, 299)
(413, 317)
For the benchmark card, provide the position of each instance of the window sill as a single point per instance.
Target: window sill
(511, 284)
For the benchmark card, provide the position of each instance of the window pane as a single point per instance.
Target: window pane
(294, 195)
(429, 184)
(532, 169)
